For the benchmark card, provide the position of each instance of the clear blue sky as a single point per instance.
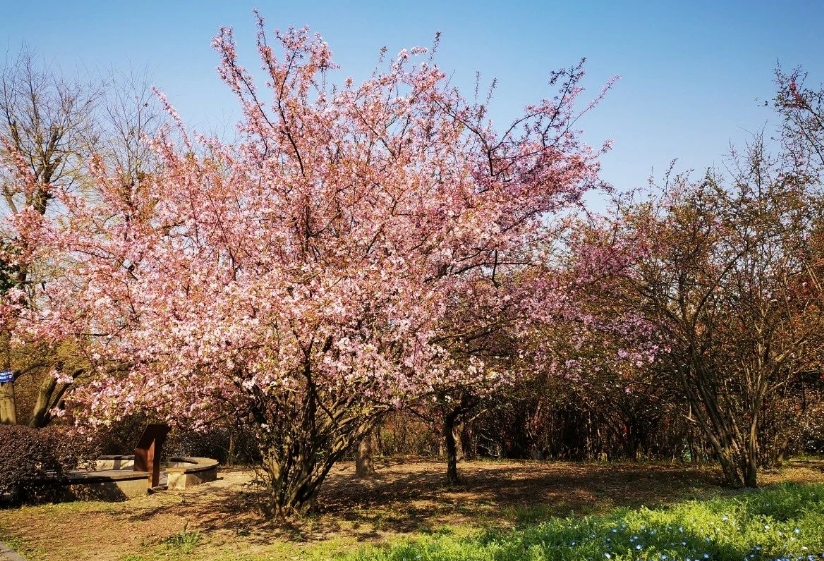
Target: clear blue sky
(692, 72)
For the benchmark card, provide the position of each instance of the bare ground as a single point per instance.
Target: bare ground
(404, 497)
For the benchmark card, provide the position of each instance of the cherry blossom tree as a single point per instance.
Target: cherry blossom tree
(305, 279)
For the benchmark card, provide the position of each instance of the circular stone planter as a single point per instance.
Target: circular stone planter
(185, 472)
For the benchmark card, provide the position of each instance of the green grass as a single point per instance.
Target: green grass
(14, 543)
(185, 541)
(785, 522)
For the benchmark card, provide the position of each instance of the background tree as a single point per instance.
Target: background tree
(48, 121)
(49, 128)
(130, 113)
(485, 332)
(718, 273)
(801, 108)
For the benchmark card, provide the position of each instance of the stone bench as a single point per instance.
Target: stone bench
(182, 473)
(105, 485)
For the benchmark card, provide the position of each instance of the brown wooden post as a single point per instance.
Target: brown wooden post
(148, 451)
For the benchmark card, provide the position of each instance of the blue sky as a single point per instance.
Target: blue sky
(694, 74)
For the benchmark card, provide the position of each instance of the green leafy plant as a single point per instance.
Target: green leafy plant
(185, 541)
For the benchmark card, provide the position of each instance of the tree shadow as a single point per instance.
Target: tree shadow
(414, 497)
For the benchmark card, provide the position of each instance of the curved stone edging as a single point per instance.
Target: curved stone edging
(184, 472)
(190, 464)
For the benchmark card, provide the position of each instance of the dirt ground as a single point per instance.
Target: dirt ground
(403, 497)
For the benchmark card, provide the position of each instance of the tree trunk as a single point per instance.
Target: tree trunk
(460, 441)
(302, 434)
(732, 474)
(717, 426)
(40, 415)
(231, 452)
(49, 396)
(723, 442)
(299, 450)
(451, 447)
(751, 472)
(8, 406)
(750, 467)
(293, 483)
(364, 466)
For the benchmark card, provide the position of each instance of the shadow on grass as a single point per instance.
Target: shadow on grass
(782, 523)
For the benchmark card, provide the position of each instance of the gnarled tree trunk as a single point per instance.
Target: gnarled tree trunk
(302, 434)
(449, 423)
(364, 466)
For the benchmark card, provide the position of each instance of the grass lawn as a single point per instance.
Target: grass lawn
(503, 511)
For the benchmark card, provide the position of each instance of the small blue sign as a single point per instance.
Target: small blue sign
(6, 376)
